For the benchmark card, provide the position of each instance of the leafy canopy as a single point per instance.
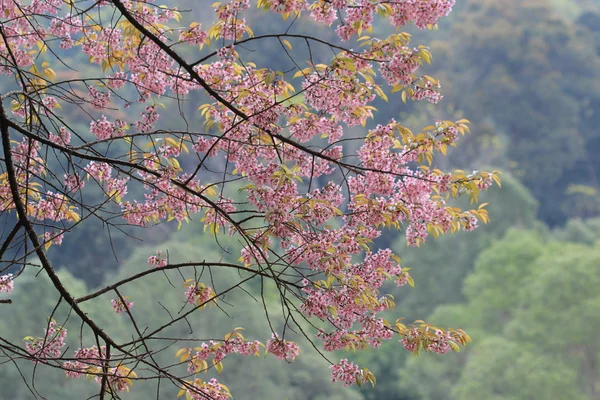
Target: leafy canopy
(266, 173)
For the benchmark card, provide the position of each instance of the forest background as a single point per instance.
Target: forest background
(527, 74)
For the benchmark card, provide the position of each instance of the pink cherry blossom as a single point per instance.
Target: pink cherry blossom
(50, 345)
(346, 372)
(282, 349)
(159, 260)
(120, 306)
(7, 283)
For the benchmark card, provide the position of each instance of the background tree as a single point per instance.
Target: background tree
(530, 75)
(521, 349)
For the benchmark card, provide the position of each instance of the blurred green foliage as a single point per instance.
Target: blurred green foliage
(532, 309)
(528, 78)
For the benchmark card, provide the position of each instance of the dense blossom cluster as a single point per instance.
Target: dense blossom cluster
(360, 15)
(282, 349)
(92, 361)
(115, 188)
(49, 346)
(284, 147)
(99, 99)
(194, 35)
(347, 372)
(214, 351)
(86, 358)
(51, 238)
(62, 138)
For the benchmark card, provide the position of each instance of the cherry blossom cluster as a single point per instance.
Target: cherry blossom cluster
(485, 182)
(198, 293)
(62, 138)
(7, 283)
(339, 97)
(422, 336)
(421, 13)
(49, 102)
(49, 205)
(50, 346)
(115, 188)
(349, 373)
(441, 345)
(99, 99)
(120, 306)
(91, 362)
(194, 34)
(217, 351)
(27, 158)
(149, 118)
(158, 260)
(229, 26)
(13, 31)
(53, 238)
(63, 27)
(282, 349)
(284, 7)
(354, 301)
(427, 90)
(304, 129)
(52, 206)
(99, 44)
(86, 359)
(323, 12)
(165, 200)
(103, 129)
(73, 182)
(118, 378)
(257, 253)
(358, 17)
(200, 390)
(403, 63)
(216, 216)
(359, 13)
